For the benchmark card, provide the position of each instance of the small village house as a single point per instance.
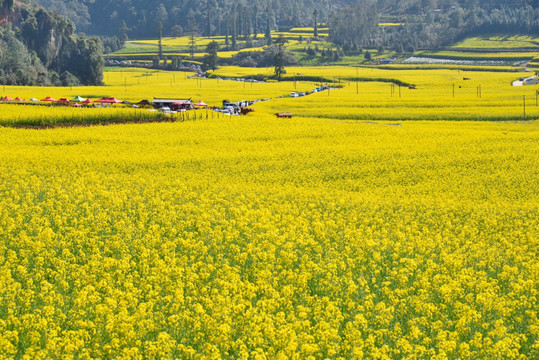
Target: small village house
(173, 104)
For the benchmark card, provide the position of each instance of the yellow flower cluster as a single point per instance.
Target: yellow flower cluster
(34, 115)
(263, 238)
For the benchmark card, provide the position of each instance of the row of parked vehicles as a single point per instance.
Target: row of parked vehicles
(304, 93)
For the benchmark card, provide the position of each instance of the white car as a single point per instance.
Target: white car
(165, 110)
(294, 94)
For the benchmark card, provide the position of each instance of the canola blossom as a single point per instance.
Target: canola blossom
(262, 238)
(34, 115)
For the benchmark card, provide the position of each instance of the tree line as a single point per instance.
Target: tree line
(141, 19)
(353, 23)
(428, 24)
(241, 18)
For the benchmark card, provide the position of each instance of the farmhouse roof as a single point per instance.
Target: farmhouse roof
(165, 100)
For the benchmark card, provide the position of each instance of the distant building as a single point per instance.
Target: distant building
(173, 104)
(385, 61)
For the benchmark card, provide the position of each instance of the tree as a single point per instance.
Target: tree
(211, 59)
(161, 14)
(255, 21)
(18, 66)
(192, 36)
(210, 5)
(122, 31)
(160, 34)
(357, 24)
(315, 14)
(268, 26)
(368, 56)
(7, 4)
(268, 34)
(234, 27)
(279, 58)
(83, 57)
(176, 31)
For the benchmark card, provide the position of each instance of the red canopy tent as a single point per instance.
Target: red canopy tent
(63, 100)
(19, 99)
(76, 105)
(48, 98)
(201, 104)
(109, 101)
(7, 98)
(87, 101)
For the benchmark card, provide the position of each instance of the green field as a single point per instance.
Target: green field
(494, 51)
(499, 42)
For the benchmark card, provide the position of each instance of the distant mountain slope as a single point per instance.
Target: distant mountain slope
(426, 23)
(39, 47)
(138, 18)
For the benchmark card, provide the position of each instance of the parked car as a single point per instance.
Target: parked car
(294, 94)
(165, 110)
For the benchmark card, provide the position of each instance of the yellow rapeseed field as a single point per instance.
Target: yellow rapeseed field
(437, 94)
(19, 114)
(349, 231)
(259, 238)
